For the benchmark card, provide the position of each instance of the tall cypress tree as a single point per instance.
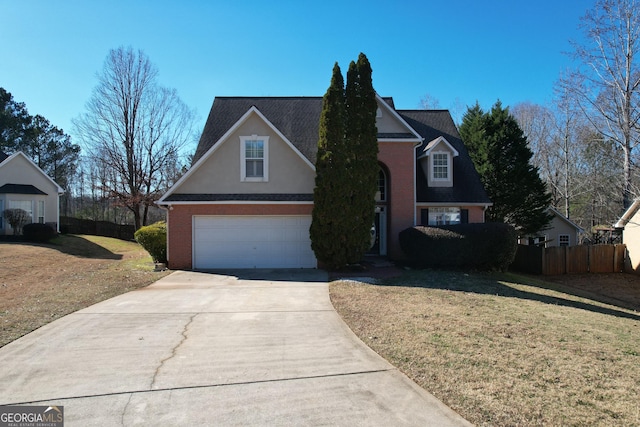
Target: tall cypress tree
(498, 148)
(362, 141)
(346, 168)
(328, 229)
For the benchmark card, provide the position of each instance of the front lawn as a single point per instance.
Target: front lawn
(504, 350)
(42, 282)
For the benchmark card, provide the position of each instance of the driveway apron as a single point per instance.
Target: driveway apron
(254, 347)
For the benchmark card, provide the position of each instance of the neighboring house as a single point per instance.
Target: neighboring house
(24, 185)
(247, 199)
(629, 223)
(561, 231)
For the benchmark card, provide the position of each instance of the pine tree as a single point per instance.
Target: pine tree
(499, 151)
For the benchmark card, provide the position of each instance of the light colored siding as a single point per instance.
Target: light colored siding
(631, 238)
(18, 170)
(220, 173)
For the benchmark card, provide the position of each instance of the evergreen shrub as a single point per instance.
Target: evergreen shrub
(36, 232)
(488, 246)
(153, 238)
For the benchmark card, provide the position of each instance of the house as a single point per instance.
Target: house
(23, 185)
(247, 199)
(629, 223)
(561, 231)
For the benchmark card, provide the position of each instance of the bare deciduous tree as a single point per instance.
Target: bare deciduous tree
(607, 84)
(135, 129)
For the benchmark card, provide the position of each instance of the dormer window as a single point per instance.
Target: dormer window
(436, 161)
(254, 158)
(440, 166)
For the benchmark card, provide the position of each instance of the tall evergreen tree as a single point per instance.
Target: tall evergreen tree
(362, 140)
(346, 168)
(501, 156)
(328, 229)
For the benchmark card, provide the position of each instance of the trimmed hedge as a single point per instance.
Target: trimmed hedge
(486, 246)
(36, 232)
(153, 238)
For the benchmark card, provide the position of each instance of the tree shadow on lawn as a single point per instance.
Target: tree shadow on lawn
(72, 245)
(490, 284)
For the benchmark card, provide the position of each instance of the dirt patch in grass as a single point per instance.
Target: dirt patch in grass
(507, 350)
(42, 282)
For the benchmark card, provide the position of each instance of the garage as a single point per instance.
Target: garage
(252, 242)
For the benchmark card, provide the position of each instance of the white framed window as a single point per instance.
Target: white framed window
(41, 211)
(440, 166)
(25, 205)
(564, 240)
(381, 194)
(254, 158)
(444, 216)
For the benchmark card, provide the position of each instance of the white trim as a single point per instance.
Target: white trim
(452, 204)
(265, 158)
(433, 144)
(432, 166)
(221, 141)
(568, 236)
(629, 213)
(59, 189)
(234, 202)
(395, 114)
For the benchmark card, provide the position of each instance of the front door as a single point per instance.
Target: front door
(380, 243)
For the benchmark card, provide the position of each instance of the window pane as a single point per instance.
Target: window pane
(444, 216)
(254, 149)
(440, 165)
(41, 211)
(255, 168)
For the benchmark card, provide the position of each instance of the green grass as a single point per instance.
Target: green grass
(503, 350)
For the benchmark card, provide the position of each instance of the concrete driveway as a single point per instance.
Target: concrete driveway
(243, 348)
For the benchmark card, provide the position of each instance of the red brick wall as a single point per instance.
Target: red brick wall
(399, 159)
(180, 222)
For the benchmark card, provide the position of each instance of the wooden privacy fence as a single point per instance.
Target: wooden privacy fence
(570, 259)
(96, 228)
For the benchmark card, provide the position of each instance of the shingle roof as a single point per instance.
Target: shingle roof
(431, 124)
(20, 189)
(298, 119)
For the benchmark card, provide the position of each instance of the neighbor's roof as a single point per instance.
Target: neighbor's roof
(20, 189)
(467, 187)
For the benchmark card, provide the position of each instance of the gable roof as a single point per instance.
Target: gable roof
(467, 187)
(21, 189)
(629, 213)
(433, 144)
(298, 119)
(17, 154)
(565, 219)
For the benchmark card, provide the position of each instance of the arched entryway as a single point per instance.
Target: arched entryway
(382, 211)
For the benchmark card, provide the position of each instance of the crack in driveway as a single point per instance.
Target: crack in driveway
(173, 351)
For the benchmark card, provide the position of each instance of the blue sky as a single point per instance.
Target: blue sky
(457, 51)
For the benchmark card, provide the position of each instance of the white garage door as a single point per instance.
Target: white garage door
(252, 242)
